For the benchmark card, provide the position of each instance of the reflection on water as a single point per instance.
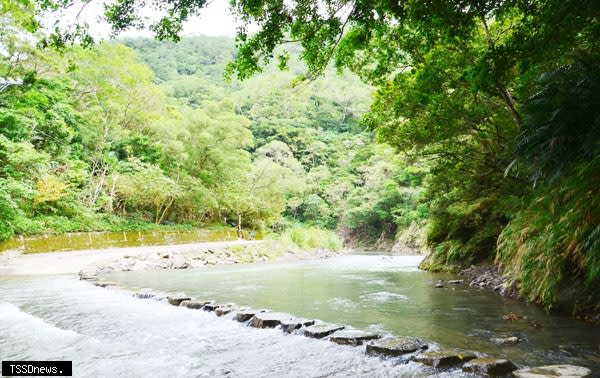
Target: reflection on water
(391, 294)
(98, 240)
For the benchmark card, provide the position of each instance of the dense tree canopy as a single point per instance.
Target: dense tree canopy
(495, 94)
(493, 104)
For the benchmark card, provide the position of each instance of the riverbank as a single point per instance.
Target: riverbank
(17, 263)
(490, 277)
(176, 256)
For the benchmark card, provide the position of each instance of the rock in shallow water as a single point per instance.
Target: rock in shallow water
(396, 346)
(353, 337)
(246, 314)
(176, 300)
(318, 331)
(290, 325)
(444, 358)
(489, 366)
(224, 309)
(506, 340)
(194, 304)
(210, 306)
(554, 371)
(179, 262)
(269, 319)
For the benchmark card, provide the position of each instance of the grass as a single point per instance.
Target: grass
(305, 237)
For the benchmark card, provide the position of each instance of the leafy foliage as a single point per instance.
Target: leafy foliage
(494, 105)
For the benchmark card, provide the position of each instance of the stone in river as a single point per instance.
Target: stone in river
(194, 304)
(318, 331)
(224, 310)
(396, 346)
(444, 358)
(353, 337)
(269, 319)
(455, 282)
(554, 371)
(210, 306)
(246, 314)
(489, 366)
(176, 300)
(179, 262)
(438, 285)
(290, 325)
(506, 340)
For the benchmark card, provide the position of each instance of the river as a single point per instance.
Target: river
(109, 333)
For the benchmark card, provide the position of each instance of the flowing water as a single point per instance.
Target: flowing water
(109, 333)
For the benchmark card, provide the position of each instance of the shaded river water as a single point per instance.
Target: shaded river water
(110, 333)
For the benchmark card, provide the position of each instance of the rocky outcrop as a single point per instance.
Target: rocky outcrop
(353, 337)
(489, 277)
(396, 346)
(494, 367)
(318, 331)
(445, 358)
(290, 325)
(268, 319)
(554, 371)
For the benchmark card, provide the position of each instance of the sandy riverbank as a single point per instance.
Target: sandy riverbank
(14, 263)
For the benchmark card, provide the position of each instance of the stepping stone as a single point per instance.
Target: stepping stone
(269, 319)
(224, 310)
(210, 306)
(396, 346)
(246, 314)
(176, 300)
(290, 325)
(194, 304)
(554, 371)
(489, 366)
(353, 337)
(318, 331)
(444, 358)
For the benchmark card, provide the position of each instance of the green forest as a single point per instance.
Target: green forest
(470, 130)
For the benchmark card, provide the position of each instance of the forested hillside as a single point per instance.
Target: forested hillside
(337, 177)
(119, 137)
(492, 109)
